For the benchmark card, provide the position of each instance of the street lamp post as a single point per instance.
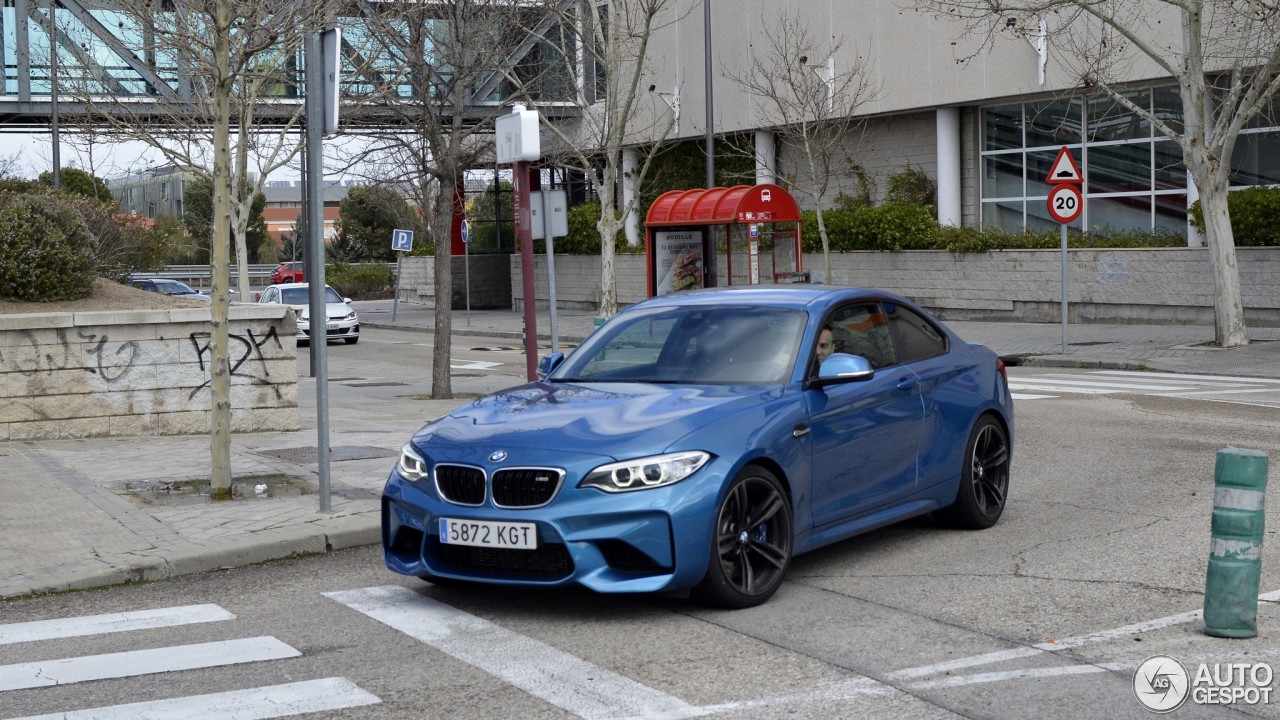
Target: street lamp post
(706, 68)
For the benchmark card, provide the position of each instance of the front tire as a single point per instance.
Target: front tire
(752, 542)
(984, 479)
(352, 340)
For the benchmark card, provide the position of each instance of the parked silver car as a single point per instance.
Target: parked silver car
(341, 321)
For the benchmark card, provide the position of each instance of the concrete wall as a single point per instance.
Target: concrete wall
(489, 277)
(1161, 285)
(92, 374)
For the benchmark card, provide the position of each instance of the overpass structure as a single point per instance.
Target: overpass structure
(50, 45)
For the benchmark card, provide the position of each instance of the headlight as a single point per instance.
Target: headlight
(351, 315)
(646, 472)
(411, 466)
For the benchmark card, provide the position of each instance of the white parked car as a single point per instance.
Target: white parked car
(341, 322)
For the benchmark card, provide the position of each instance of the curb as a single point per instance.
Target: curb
(471, 332)
(314, 538)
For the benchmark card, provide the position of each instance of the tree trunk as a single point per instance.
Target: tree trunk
(826, 247)
(608, 227)
(219, 364)
(1228, 307)
(441, 384)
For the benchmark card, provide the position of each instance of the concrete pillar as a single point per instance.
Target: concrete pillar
(948, 198)
(631, 223)
(766, 157)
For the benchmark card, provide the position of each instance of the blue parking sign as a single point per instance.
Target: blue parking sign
(402, 240)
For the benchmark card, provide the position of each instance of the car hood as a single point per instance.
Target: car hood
(612, 419)
(331, 310)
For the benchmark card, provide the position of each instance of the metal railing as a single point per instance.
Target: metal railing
(200, 277)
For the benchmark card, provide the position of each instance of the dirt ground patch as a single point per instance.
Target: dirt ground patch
(107, 295)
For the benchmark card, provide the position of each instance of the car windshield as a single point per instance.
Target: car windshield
(694, 345)
(175, 288)
(298, 296)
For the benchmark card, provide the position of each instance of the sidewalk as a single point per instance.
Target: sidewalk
(66, 523)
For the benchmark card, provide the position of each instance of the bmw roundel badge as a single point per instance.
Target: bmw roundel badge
(498, 456)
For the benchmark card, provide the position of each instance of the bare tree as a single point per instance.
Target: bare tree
(809, 105)
(604, 46)
(422, 63)
(264, 111)
(1222, 55)
(10, 165)
(229, 59)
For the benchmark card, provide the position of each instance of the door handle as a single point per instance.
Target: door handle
(906, 383)
(800, 430)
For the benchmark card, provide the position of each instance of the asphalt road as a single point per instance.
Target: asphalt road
(1095, 567)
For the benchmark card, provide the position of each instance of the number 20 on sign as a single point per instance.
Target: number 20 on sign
(1065, 203)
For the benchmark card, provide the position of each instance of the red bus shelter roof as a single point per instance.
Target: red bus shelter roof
(724, 206)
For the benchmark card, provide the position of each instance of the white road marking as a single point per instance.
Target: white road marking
(474, 365)
(1216, 392)
(1047, 387)
(1058, 645)
(1182, 376)
(568, 682)
(1067, 381)
(1030, 396)
(1030, 673)
(251, 704)
(110, 623)
(142, 662)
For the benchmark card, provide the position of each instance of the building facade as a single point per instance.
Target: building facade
(984, 116)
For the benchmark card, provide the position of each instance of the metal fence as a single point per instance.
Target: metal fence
(200, 277)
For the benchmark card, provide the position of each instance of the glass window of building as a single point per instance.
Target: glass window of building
(1134, 177)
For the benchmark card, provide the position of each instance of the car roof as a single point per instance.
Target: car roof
(799, 296)
(290, 286)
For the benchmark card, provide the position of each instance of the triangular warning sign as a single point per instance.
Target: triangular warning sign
(1064, 169)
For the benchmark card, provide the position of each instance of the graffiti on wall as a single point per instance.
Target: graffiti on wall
(246, 360)
(94, 353)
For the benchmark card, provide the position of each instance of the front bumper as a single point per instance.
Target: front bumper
(642, 541)
(336, 330)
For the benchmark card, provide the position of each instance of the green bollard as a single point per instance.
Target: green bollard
(1235, 554)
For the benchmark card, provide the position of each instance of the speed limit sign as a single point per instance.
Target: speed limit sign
(1065, 203)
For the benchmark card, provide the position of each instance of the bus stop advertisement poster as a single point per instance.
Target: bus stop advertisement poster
(678, 260)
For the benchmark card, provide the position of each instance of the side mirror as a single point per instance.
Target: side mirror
(842, 368)
(346, 300)
(548, 363)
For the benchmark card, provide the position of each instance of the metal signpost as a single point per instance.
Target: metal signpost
(465, 232)
(519, 144)
(555, 223)
(1065, 205)
(401, 242)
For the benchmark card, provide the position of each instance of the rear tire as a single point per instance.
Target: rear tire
(984, 479)
(751, 542)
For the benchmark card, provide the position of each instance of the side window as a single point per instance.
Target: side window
(269, 296)
(862, 329)
(916, 338)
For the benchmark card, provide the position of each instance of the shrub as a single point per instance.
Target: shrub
(360, 282)
(46, 251)
(910, 187)
(584, 236)
(1255, 216)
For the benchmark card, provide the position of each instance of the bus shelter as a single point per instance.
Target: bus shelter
(741, 235)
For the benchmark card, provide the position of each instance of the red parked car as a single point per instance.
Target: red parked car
(287, 272)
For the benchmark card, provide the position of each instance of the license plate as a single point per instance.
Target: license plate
(486, 533)
(333, 326)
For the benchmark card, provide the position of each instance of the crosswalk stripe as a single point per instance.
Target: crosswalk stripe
(110, 623)
(251, 704)
(1061, 388)
(1188, 376)
(566, 681)
(1060, 380)
(1243, 391)
(1029, 396)
(142, 662)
